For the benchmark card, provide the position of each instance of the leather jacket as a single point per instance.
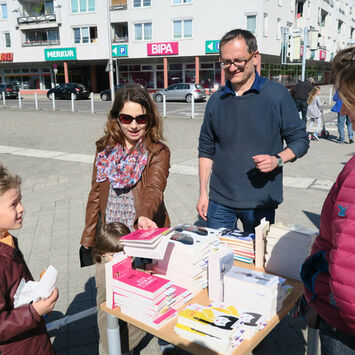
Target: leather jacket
(22, 330)
(148, 194)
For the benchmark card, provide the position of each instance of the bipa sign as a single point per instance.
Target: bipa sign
(164, 48)
(6, 57)
(322, 54)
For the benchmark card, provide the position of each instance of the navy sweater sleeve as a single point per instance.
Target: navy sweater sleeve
(292, 127)
(206, 148)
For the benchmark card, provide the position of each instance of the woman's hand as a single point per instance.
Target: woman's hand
(43, 307)
(146, 223)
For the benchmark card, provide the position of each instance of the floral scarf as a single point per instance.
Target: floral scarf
(121, 168)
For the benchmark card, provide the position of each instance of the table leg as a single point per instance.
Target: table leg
(113, 335)
(312, 341)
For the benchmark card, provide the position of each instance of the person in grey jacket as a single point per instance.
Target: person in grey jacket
(314, 112)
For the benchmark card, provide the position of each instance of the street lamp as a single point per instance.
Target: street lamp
(110, 62)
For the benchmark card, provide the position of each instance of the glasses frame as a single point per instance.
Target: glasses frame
(133, 118)
(238, 66)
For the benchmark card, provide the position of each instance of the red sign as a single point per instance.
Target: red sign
(164, 48)
(6, 57)
(322, 54)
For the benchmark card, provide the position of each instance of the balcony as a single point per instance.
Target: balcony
(36, 19)
(54, 42)
(119, 32)
(118, 5)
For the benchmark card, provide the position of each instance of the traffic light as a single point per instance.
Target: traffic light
(294, 45)
(313, 43)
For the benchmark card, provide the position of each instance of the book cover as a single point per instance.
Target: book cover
(143, 235)
(209, 320)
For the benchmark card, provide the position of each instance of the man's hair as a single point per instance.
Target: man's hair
(249, 38)
(343, 72)
(108, 239)
(311, 80)
(7, 180)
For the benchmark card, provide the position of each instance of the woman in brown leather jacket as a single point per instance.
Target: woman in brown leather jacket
(129, 178)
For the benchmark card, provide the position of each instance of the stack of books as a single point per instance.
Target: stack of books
(242, 244)
(251, 291)
(287, 246)
(186, 258)
(150, 299)
(218, 327)
(146, 243)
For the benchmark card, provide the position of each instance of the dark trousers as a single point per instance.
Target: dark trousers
(302, 107)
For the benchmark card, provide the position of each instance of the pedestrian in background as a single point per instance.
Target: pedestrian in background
(210, 86)
(22, 329)
(300, 93)
(328, 273)
(241, 143)
(314, 112)
(342, 120)
(129, 177)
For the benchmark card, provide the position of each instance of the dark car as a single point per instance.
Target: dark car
(105, 95)
(64, 91)
(11, 91)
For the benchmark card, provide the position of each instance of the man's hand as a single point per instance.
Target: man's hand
(265, 163)
(202, 206)
(43, 307)
(146, 223)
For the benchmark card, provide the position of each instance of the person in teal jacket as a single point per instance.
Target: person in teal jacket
(342, 120)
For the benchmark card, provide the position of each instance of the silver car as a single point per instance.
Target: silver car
(181, 92)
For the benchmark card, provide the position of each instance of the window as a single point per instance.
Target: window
(182, 29)
(85, 34)
(82, 6)
(3, 12)
(179, 2)
(266, 25)
(251, 23)
(278, 33)
(141, 3)
(143, 31)
(7, 39)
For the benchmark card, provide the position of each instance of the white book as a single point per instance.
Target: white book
(218, 264)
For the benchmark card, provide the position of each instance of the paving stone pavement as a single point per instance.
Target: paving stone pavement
(55, 193)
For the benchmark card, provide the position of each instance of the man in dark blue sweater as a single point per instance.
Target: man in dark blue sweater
(241, 144)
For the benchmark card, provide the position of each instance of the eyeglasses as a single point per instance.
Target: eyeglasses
(128, 119)
(238, 63)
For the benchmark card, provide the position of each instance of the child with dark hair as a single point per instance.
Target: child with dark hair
(107, 243)
(22, 329)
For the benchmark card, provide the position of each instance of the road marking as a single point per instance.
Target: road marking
(180, 169)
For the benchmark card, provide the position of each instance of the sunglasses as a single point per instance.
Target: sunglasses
(128, 119)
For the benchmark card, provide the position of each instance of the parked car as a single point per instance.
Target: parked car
(64, 91)
(105, 95)
(11, 91)
(181, 91)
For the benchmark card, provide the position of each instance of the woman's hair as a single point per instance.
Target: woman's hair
(7, 180)
(113, 132)
(343, 72)
(108, 239)
(312, 94)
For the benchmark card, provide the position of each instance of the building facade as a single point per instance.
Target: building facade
(159, 42)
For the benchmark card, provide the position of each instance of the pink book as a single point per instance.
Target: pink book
(139, 282)
(143, 236)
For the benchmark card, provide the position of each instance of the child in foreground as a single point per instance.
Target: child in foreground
(22, 330)
(107, 243)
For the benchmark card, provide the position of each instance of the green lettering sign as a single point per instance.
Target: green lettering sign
(60, 54)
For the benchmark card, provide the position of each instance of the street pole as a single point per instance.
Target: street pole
(110, 51)
(305, 40)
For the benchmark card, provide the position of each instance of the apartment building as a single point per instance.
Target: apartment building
(158, 42)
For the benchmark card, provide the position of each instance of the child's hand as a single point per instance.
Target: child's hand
(43, 307)
(146, 223)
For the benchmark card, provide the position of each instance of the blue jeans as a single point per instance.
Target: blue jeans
(335, 342)
(342, 120)
(302, 107)
(222, 216)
